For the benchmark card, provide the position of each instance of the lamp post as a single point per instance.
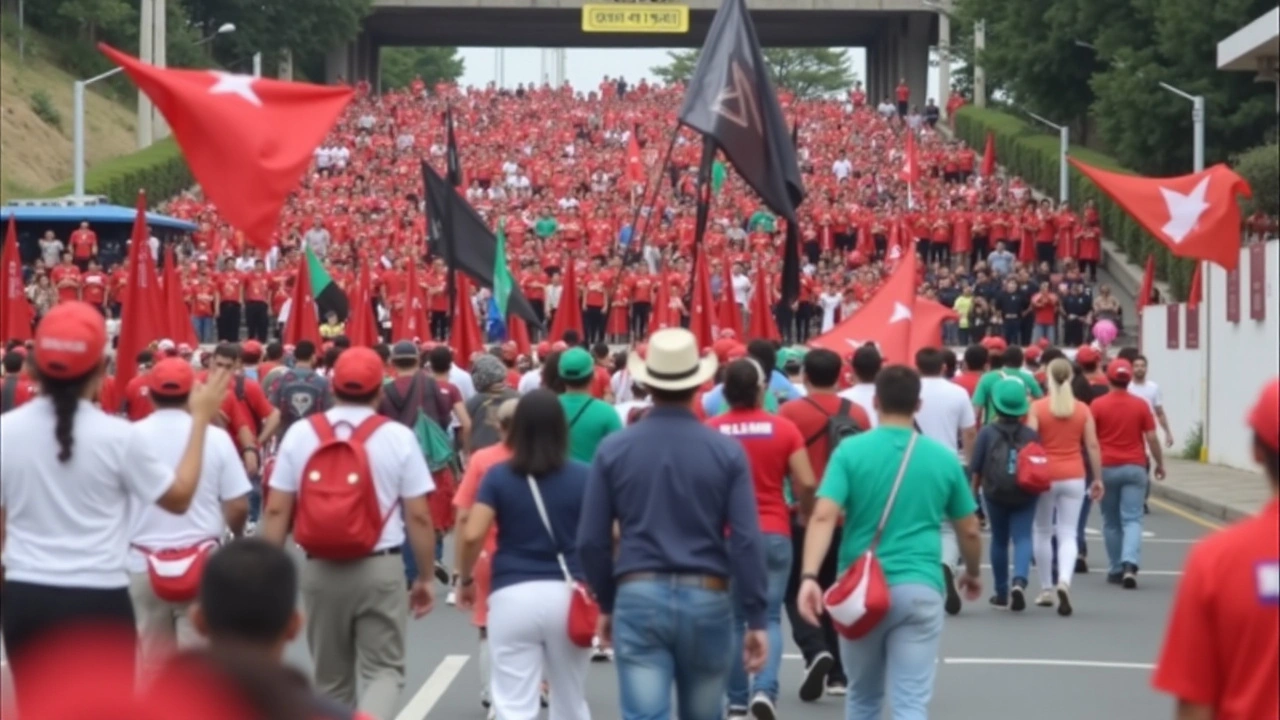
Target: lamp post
(78, 89)
(1064, 136)
(1197, 124)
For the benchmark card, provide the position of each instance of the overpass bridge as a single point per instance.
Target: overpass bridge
(897, 34)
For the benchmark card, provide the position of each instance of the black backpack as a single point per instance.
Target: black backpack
(300, 396)
(1000, 466)
(839, 427)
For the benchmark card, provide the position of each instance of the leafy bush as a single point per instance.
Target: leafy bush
(161, 170)
(1261, 167)
(1032, 154)
(43, 107)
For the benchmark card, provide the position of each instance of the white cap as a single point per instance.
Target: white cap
(166, 345)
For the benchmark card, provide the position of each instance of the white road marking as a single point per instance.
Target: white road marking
(1094, 532)
(434, 688)
(1027, 662)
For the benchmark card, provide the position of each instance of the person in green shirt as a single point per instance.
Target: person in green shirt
(590, 420)
(857, 484)
(963, 306)
(762, 221)
(1010, 366)
(545, 226)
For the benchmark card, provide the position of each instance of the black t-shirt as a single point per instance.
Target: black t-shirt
(1077, 305)
(1010, 304)
(947, 296)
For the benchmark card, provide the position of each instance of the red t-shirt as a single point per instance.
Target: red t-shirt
(137, 399)
(1122, 420)
(24, 388)
(769, 440)
(1223, 641)
(812, 423)
(968, 380)
(82, 242)
(94, 290)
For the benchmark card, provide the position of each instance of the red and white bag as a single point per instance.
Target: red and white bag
(859, 600)
(175, 572)
(1033, 469)
(584, 611)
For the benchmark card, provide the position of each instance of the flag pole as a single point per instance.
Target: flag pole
(663, 170)
(453, 170)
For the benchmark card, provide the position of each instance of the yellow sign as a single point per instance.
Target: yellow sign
(632, 19)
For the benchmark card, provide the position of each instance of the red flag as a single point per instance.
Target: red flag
(989, 156)
(763, 326)
(1195, 216)
(411, 323)
(910, 173)
(700, 315)
(464, 336)
(362, 326)
(926, 324)
(178, 326)
(247, 140)
(729, 316)
(140, 324)
(15, 311)
(518, 333)
(635, 167)
(304, 322)
(885, 319)
(663, 317)
(1196, 293)
(569, 313)
(1148, 282)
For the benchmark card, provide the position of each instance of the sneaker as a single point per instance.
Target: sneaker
(442, 573)
(250, 528)
(1000, 601)
(762, 708)
(492, 714)
(1045, 599)
(600, 655)
(1082, 565)
(452, 598)
(1129, 580)
(952, 605)
(815, 674)
(1017, 599)
(1064, 600)
(837, 687)
(737, 713)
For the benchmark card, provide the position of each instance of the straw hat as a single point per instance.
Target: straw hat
(671, 362)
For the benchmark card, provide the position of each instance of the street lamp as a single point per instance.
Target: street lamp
(1197, 124)
(1064, 135)
(78, 89)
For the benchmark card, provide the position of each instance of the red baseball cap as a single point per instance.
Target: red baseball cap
(358, 371)
(1119, 370)
(995, 344)
(544, 349)
(1087, 355)
(723, 347)
(559, 346)
(1265, 416)
(1032, 354)
(70, 341)
(171, 377)
(251, 348)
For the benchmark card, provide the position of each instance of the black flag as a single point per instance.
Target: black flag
(468, 245)
(731, 100)
(454, 165)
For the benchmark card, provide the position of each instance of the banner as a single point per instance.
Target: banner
(1171, 327)
(1193, 327)
(1233, 295)
(1257, 282)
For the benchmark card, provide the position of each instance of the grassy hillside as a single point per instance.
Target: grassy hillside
(36, 123)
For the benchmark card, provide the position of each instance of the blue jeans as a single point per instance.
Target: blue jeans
(777, 560)
(1010, 523)
(204, 329)
(1125, 489)
(900, 653)
(666, 633)
(1043, 330)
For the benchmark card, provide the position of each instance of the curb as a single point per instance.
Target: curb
(1198, 503)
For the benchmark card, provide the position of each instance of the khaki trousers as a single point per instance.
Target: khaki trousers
(162, 626)
(356, 614)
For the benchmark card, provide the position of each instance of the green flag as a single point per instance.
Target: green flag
(502, 285)
(329, 297)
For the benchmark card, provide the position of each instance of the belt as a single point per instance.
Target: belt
(706, 582)
(376, 553)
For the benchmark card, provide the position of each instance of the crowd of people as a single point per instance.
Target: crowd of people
(660, 506)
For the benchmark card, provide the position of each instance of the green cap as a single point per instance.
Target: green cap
(1009, 397)
(576, 365)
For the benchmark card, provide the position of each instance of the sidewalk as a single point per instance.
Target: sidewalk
(1219, 492)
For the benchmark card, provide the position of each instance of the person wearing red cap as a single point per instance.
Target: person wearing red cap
(1126, 433)
(135, 404)
(1222, 646)
(221, 504)
(67, 503)
(332, 591)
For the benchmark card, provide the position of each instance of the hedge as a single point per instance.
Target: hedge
(1033, 155)
(160, 169)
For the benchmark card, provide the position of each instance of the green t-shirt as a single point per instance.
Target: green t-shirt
(986, 383)
(762, 220)
(962, 306)
(597, 421)
(859, 478)
(545, 227)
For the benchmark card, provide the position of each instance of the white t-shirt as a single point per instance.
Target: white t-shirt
(530, 381)
(461, 379)
(399, 470)
(842, 168)
(945, 410)
(741, 289)
(67, 524)
(624, 408)
(864, 395)
(620, 383)
(222, 478)
(1148, 391)
(828, 302)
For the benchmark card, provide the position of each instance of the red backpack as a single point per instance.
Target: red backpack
(338, 516)
(1033, 469)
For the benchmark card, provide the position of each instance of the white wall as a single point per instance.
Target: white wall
(1241, 357)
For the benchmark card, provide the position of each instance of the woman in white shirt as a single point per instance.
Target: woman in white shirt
(829, 300)
(65, 505)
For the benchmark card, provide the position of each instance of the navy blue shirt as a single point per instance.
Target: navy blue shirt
(525, 550)
(674, 486)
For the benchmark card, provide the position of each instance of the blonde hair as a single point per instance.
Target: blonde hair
(1062, 401)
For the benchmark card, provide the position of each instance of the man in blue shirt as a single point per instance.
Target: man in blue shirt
(673, 486)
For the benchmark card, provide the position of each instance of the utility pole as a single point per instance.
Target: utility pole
(145, 37)
(979, 74)
(160, 50)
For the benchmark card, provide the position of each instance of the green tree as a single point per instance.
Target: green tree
(807, 72)
(399, 66)
(1261, 167)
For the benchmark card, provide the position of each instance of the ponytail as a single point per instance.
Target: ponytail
(65, 396)
(1062, 401)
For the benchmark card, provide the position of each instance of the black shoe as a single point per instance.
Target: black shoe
(1114, 579)
(1082, 565)
(442, 573)
(1129, 580)
(1017, 599)
(952, 605)
(815, 677)
(1064, 601)
(999, 601)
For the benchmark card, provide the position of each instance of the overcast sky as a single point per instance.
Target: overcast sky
(586, 67)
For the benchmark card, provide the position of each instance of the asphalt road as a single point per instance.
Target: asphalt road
(994, 664)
